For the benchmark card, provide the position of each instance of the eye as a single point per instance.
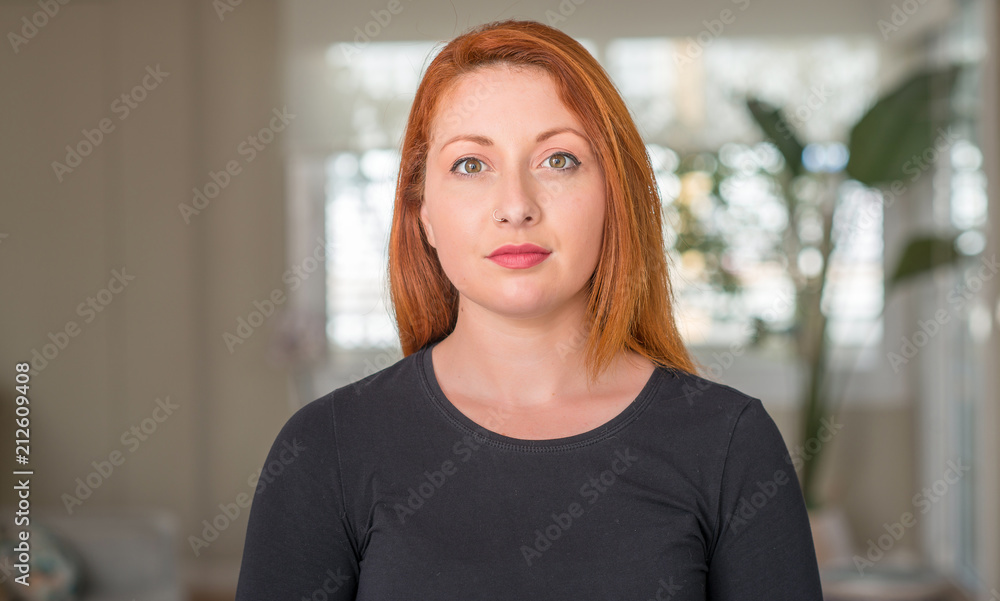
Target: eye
(472, 166)
(560, 160)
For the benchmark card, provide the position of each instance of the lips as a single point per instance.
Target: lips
(519, 249)
(521, 256)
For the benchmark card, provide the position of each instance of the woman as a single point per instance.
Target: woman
(545, 435)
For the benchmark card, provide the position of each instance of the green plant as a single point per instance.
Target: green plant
(901, 125)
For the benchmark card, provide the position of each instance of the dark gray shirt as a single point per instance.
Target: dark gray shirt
(383, 490)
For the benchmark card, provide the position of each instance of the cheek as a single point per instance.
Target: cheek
(455, 233)
(585, 223)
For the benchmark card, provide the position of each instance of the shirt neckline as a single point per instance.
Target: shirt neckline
(458, 419)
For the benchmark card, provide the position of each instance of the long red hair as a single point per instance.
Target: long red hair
(631, 301)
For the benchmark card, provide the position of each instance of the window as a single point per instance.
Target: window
(360, 188)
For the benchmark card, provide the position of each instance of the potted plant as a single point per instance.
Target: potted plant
(902, 124)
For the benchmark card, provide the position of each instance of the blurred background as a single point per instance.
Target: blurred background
(196, 198)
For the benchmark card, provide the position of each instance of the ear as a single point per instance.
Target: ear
(428, 230)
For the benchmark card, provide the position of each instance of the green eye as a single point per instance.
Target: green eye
(560, 161)
(472, 166)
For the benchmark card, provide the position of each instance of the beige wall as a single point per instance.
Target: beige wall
(162, 335)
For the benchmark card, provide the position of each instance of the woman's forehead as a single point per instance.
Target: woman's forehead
(469, 92)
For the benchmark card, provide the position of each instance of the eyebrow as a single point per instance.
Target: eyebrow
(485, 141)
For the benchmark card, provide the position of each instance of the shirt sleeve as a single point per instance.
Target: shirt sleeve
(299, 543)
(763, 549)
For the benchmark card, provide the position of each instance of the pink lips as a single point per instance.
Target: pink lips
(521, 256)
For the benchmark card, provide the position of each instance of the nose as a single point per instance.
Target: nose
(518, 198)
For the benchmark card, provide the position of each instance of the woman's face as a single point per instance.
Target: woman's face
(503, 140)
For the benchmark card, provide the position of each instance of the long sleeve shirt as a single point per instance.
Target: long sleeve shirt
(382, 490)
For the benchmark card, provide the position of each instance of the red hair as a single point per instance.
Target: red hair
(631, 302)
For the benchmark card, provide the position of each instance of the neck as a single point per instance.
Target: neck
(524, 361)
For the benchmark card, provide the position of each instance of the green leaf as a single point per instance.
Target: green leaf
(779, 132)
(922, 255)
(900, 127)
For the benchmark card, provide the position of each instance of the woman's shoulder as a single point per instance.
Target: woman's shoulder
(695, 393)
(707, 410)
(362, 410)
(721, 435)
(383, 385)
(382, 389)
